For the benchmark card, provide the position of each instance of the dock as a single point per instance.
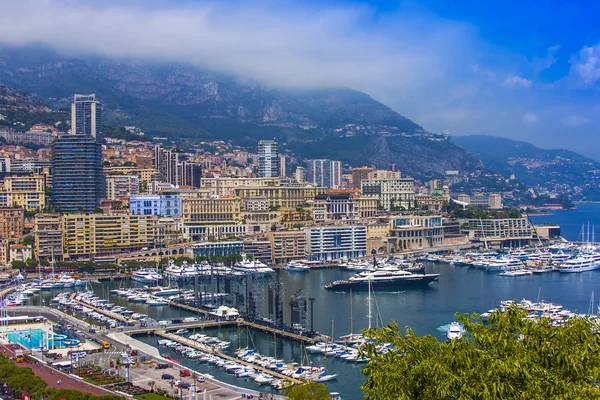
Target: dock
(210, 350)
(243, 322)
(110, 314)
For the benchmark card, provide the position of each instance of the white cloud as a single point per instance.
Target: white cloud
(575, 120)
(516, 81)
(585, 66)
(530, 118)
(278, 43)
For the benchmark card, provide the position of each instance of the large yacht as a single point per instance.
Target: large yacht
(581, 263)
(252, 267)
(146, 275)
(503, 264)
(383, 278)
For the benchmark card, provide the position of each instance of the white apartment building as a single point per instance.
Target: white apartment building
(327, 243)
(393, 194)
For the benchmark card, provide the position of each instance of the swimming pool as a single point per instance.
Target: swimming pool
(36, 339)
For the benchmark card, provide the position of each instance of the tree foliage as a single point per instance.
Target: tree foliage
(308, 391)
(507, 357)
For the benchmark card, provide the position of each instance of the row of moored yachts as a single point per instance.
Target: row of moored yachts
(520, 262)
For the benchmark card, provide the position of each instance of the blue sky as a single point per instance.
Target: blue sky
(522, 70)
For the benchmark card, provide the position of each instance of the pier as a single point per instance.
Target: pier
(110, 314)
(210, 350)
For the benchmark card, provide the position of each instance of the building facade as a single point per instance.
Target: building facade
(323, 172)
(11, 223)
(268, 159)
(163, 204)
(415, 232)
(48, 233)
(77, 180)
(211, 218)
(507, 232)
(211, 249)
(284, 197)
(393, 194)
(227, 186)
(86, 116)
(94, 235)
(121, 187)
(335, 207)
(23, 190)
(337, 242)
(287, 246)
(493, 200)
(359, 175)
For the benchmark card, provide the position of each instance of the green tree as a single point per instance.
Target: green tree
(308, 391)
(508, 357)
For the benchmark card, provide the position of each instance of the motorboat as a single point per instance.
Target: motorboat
(295, 266)
(146, 275)
(252, 267)
(455, 331)
(581, 263)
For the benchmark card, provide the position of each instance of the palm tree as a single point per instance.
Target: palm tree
(151, 384)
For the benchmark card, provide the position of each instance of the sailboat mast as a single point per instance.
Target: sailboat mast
(370, 315)
(351, 319)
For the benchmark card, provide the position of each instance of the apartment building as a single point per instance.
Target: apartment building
(287, 245)
(121, 187)
(11, 223)
(327, 243)
(163, 204)
(23, 190)
(93, 235)
(48, 233)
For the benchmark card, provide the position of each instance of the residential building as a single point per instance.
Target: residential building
(335, 207)
(393, 194)
(430, 202)
(227, 186)
(328, 243)
(415, 232)
(300, 174)
(287, 245)
(173, 167)
(121, 187)
(19, 252)
(23, 190)
(367, 206)
(33, 166)
(4, 252)
(283, 164)
(96, 235)
(11, 223)
(507, 232)
(284, 197)
(323, 172)
(259, 249)
(359, 175)
(268, 159)
(4, 164)
(167, 204)
(78, 182)
(86, 116)
(48, 233)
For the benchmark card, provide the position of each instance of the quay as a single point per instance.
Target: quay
(209, 350)
(191, 325)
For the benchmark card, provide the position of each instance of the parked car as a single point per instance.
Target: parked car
(185, 372)
(167, 377)
(184, 385)
(162, 366)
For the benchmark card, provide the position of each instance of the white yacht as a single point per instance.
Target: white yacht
(296, 266)
(581, 263)
(252, 267)
(503, 264)
(455, 331)
(146, 275)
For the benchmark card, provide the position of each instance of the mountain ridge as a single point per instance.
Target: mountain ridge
(186, 102)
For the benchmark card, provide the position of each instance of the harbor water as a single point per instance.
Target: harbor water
(425, 310)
